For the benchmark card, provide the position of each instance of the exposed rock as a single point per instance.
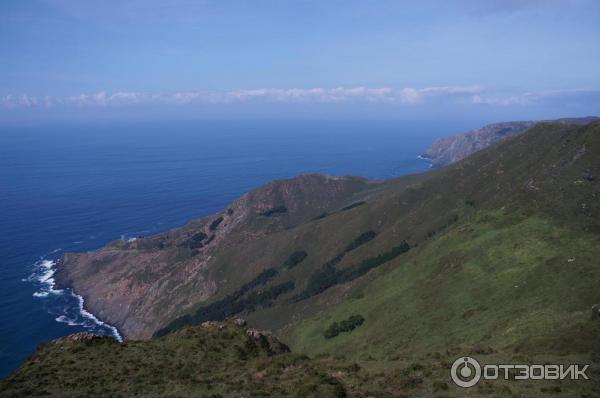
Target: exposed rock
(138, 286)
(595, 311)
(445, 151)
(81, 336)
(448, 150)
(239, 322)
(254, 333)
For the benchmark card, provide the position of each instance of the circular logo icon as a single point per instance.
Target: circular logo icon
(465, 372)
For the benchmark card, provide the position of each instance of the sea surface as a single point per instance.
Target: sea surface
(76, 187)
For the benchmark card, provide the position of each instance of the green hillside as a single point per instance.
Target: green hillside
(517, 271)
(382, 284)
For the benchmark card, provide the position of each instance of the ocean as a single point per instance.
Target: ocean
(76, 187)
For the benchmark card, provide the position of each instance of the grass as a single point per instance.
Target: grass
(500, 280)
(217, 360)
(221, 360)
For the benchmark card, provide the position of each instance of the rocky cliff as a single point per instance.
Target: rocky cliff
(445, 151)
(138, 284)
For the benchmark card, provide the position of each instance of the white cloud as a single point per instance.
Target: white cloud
(542, 97)
(407, 96)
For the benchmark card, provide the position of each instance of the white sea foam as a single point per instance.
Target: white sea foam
(89, 315)
(43, 277)
(69, 321)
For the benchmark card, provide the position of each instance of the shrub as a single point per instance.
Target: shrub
(274, 211)
(353, 205)
(332, 331)
(346, 325)
(231, 304)
(215, 223)
(295, 258)
(370, 263)
(198, 237)
(320, 216)
(328, 275)
(321, 279)
(361, 240)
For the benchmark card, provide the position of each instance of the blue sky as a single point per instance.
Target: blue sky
(146, 58)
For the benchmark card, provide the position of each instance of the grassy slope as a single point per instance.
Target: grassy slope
(519, 271)
(499, 280)
(503, 266)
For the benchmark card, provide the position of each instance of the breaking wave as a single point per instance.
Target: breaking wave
(66, 305)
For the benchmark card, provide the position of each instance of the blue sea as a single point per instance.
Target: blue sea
(76, 187)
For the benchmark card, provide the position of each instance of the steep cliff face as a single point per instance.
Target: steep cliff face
(137, 285)
(447, 150)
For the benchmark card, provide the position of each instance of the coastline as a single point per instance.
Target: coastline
(51, 287)
(428, 160)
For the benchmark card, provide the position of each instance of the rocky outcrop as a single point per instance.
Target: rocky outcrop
(445, 151)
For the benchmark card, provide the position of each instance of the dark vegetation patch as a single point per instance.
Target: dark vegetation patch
(215, 223)
(328, 275)
(353, 205)
(295, 258)
(347, 325)
(239, 301)
(196, 241)
(274, 211)
(229, 212)
(266, 297)
(320, 216)
(361, 240)
(198, 237)
(245, 300)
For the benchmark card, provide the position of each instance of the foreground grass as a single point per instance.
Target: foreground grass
(221, 360)
(213, 361)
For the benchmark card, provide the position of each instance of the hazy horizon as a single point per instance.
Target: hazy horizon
(483, 61)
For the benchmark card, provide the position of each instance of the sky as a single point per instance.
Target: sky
(151, 59)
